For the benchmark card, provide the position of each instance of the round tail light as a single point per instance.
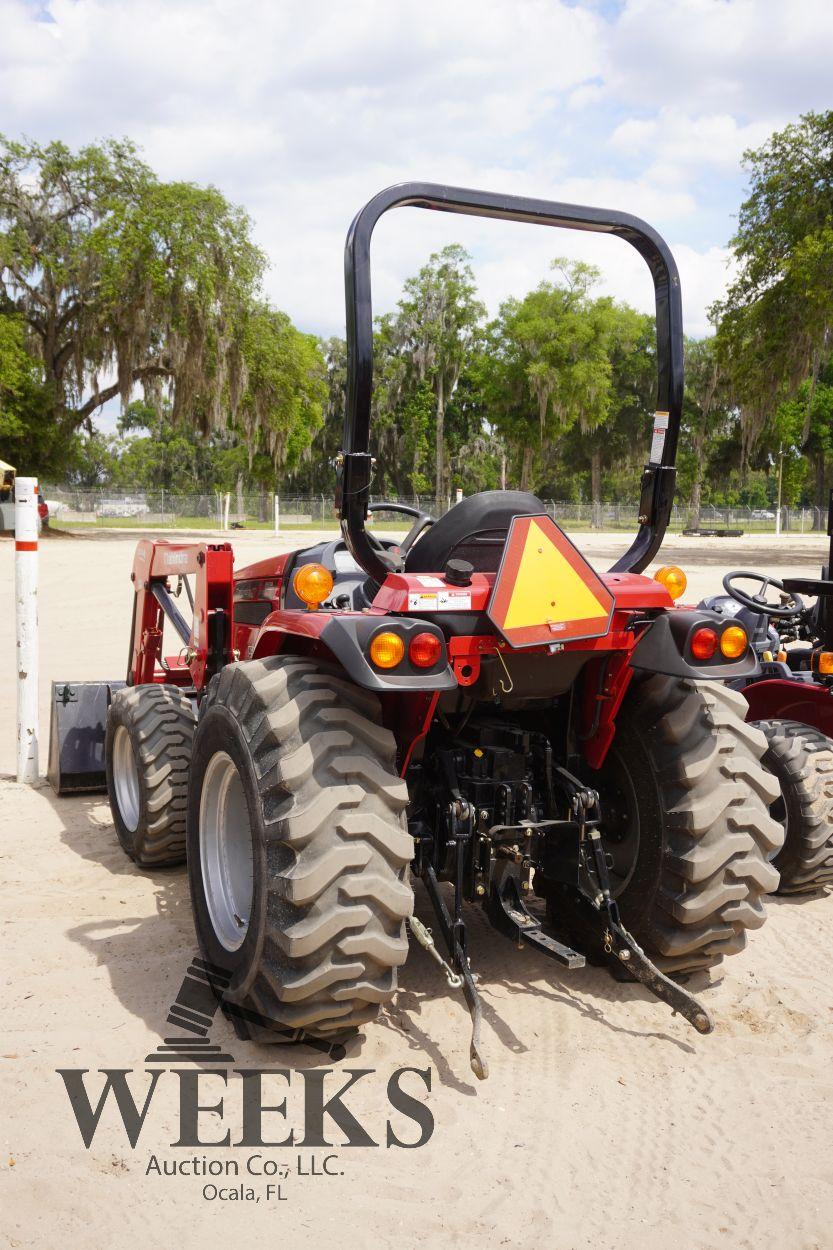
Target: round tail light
(425, 650)
(703, 643)
(733, 642)
(387, 649)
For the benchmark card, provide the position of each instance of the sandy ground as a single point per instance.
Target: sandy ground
(605, 1121)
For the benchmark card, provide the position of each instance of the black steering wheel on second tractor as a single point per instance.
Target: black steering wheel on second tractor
(793, 606)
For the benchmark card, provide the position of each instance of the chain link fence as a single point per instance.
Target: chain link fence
(220, 511)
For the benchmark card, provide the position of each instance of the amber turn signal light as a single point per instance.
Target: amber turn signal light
(313, 584)
(733, 642)
(703, 643)
(387, 649)
(424, 650)
(824, 662)
(673, 579)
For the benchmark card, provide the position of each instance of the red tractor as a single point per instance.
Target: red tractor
(790, 698)
(474, 704)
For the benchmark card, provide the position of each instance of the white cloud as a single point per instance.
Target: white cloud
(759, 59)
(673, 140)
(302, 110)
(703, 279)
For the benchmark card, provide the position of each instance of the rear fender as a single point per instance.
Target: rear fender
(661, 648)
(779, 699)
(346, 639)
(665, 648)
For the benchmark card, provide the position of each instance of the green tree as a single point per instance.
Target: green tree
(435, 328)
(27, 438)
(617, 445)
(554, 362)
(119, 276)
(476, 448)
(282, 404)
(802, 431)
(397, 381)
(706, 412)
(95, 463)
(606, 460)
(775, 324)
(153, 452)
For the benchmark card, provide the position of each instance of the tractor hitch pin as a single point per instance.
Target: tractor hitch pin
(424, 937)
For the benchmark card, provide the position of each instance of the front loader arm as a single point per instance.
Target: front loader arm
(206, 642)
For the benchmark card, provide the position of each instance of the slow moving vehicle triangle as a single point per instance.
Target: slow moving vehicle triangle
(545, 590)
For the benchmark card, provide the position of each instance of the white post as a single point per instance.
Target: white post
(277, 514)
(780, 479)
(26, 611)
(226, 510)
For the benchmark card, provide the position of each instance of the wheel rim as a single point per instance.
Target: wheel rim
(226, 856)
(126, 779)
(620, 828)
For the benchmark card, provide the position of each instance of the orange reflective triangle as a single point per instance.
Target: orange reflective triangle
(545, 590)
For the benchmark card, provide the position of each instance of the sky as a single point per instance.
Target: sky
(300, 110)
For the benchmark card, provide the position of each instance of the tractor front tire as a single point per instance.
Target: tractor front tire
(801, 760)
(298, 848)
(150, 734)
(686, 821)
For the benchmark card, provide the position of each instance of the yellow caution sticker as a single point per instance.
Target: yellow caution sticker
(545, 590)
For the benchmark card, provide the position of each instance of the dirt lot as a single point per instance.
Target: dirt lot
(606, 1121)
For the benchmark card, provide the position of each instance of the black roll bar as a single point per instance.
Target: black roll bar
(657, 492)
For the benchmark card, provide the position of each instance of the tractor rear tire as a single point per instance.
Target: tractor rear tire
(150, 734)
(693, 838)
(801, 759)
(298, 848)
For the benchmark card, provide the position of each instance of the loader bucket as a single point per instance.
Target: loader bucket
(76, 735)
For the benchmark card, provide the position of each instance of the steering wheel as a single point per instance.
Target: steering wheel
(386, 547)
(328, 554)
(759, 603)
(422, 521)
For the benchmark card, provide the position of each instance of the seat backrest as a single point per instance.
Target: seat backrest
(475, 529)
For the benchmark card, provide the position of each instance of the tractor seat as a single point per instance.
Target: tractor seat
(475, 529)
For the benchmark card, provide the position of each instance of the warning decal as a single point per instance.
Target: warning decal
(439, 600)
(658, 437)
(545, 590)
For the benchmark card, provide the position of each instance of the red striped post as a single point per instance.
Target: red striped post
(26, 612)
